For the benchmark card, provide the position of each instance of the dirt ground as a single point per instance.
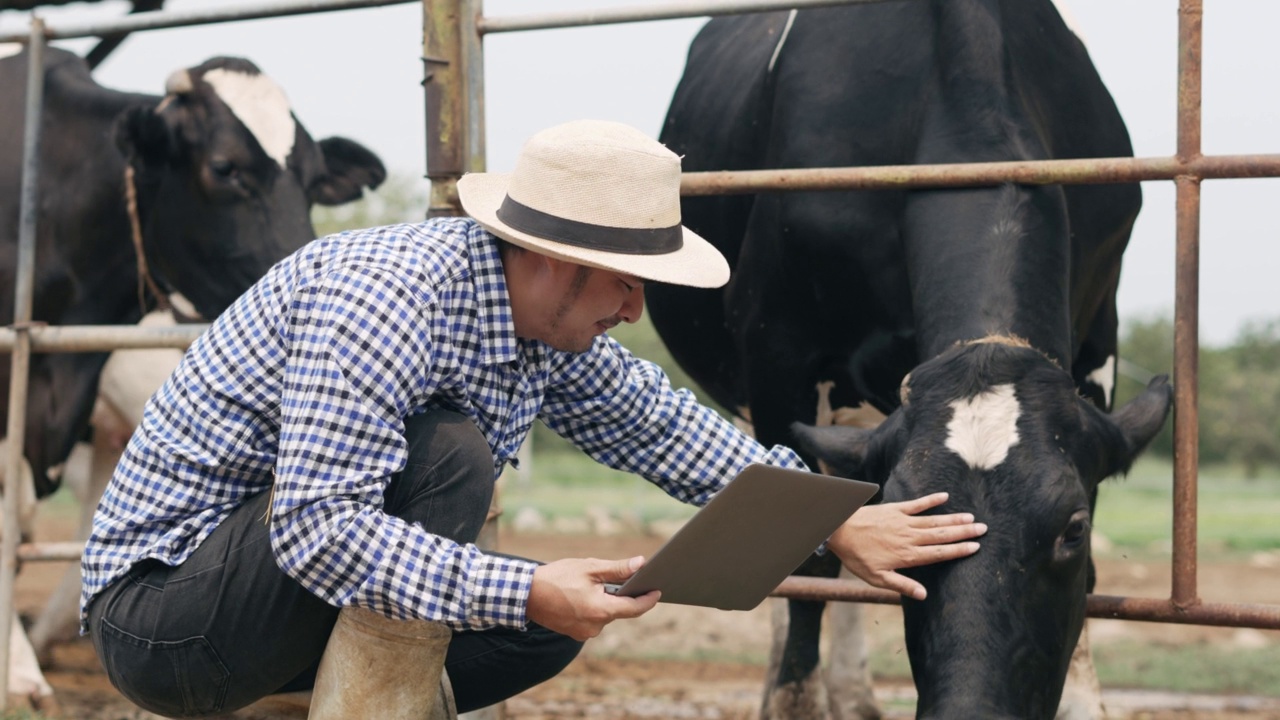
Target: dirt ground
(683, 662)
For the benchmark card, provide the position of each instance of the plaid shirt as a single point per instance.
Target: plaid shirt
(307, 378)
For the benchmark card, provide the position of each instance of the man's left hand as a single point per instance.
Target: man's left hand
(878, 540)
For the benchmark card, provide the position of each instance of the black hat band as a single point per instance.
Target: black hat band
(628, 241)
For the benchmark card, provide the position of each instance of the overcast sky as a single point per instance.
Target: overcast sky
(357, 73)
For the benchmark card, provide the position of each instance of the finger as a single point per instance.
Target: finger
(952, 533)
(636, 606)
(932, 521)
(920, 504)
(927, 555)
(616, 570)
(903, 585)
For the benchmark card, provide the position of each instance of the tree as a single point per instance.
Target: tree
(1240, 399)
(1239, 409)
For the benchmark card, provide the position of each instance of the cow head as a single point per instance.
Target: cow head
(1003, 430)
(226, 177)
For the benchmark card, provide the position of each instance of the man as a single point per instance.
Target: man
(332, 442)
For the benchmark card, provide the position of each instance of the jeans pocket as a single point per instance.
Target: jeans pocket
(180, 678)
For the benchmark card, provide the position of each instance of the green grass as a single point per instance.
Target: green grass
(1189, 668)
(565, 482)
(1235, 515)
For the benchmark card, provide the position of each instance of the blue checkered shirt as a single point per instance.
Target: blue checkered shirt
(307, 378)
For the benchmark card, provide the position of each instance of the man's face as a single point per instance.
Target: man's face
(586, 302)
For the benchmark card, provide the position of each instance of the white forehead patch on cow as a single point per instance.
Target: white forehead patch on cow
(984, 427)
(1105, 378)
(261, 105)
(10, 49)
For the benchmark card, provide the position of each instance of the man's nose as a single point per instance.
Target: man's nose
(633, 306)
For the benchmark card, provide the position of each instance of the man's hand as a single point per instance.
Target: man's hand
(568, 596)
(878, 540)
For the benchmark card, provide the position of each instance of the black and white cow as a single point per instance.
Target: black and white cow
(981, 321)
(224, 177)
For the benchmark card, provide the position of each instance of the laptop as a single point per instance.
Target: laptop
(752, 534)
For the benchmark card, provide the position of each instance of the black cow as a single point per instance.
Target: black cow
(974, 318)
(224, 178)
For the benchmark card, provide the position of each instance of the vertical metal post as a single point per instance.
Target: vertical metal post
(21, 358)
(473, 72)
(446, 104)
(1186, 338)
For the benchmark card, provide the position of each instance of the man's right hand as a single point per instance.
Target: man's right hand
(568, 596)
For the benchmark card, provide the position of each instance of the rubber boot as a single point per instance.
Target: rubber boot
(374, 666)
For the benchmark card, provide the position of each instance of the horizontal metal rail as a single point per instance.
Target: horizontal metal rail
(50, 551)
(177, 18)
(1111, 607)
(644, 13)
(1037, 172)
(103, 338)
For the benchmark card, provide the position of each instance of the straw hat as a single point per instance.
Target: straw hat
(600, 194)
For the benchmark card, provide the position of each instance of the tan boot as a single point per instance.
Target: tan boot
(374, 666)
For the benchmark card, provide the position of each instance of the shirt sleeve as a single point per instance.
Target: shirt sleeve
(359, 357)
(622, 411)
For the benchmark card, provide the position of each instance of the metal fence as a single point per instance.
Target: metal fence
(462, 45)
(454, 56)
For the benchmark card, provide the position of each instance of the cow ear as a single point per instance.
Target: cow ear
(142, 134)
(857, 453)
(1142, 417)
(350, 167)
(1128, 430)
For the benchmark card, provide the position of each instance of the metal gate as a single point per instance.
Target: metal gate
(461, 46)
(454, 56)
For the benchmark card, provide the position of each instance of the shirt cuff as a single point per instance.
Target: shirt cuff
(501, 592)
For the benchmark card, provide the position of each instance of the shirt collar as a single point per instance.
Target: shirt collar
(498, 344)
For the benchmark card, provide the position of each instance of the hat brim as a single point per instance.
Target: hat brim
(696, 264)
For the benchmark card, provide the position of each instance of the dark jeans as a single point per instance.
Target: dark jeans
(227, 627)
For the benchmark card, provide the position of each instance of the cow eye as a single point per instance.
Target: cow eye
(1077, 531)
(223, 169)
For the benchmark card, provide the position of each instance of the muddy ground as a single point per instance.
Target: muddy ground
(682, 662)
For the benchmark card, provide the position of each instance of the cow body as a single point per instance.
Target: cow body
(224, 179)
(974, 318)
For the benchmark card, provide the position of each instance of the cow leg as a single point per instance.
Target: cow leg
(127, 381)
(849, 690)
(1082, 695)
(793, 686)
(27, 686)
(59, 621)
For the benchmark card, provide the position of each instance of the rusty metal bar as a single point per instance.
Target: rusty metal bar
(1111, 607)
(50, 551)
(20, 365)
(1186, 315)
(102, 338)
(444, 87)
(472, 43)
(171, 19)
(1039, 172)
(653, 11)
